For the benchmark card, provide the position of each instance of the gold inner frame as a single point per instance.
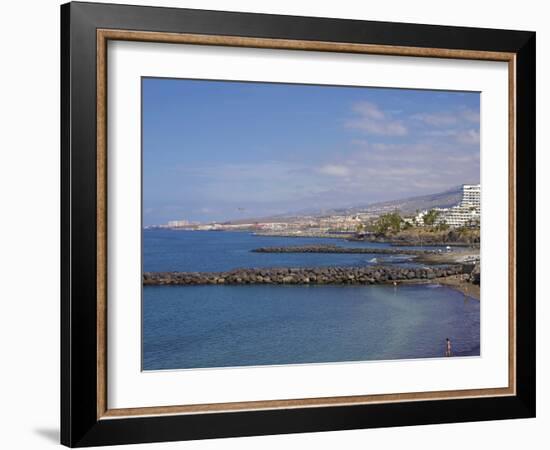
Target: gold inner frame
(103, 36)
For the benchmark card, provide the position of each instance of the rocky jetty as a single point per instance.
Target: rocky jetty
(336, 249)
(311, 275)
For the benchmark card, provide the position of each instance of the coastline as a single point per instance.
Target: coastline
(426, 241)
(455, 282)
(455, 269)
(304, 234)
(469, 256)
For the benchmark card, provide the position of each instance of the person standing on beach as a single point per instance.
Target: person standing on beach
(448, 348)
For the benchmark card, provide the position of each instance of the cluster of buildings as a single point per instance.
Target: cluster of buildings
(466, 213)
(178, 224)
(345, 223)
(332, 223)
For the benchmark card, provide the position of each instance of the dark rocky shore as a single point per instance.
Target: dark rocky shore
(432, 243)
(336, 249)
(450, 238)
(315, 275)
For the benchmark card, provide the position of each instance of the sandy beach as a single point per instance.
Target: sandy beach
(455, 282)
(458, 283)
(463, 256)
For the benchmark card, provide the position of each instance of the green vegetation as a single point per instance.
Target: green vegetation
(442, 226)
(388, 223)
(392, 225)
(430, 217)
(438, 234)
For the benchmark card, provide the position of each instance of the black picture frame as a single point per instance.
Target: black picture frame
(79, 423)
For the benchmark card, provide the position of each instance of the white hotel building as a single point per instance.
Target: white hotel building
(467, 212)
(178, 223)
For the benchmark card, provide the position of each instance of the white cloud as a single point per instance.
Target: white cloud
(375, 121)
(469, 137)
(437, 120)
(336, 170)
(445, 119)
(370, 110)
(466, 137)
(441, 133)
(471, 115)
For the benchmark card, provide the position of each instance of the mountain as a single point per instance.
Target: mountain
(405, 206)
(446, 199)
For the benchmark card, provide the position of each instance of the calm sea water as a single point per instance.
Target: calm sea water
(203, 251)
(224, 326)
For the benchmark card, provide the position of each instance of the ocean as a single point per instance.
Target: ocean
(188, 327)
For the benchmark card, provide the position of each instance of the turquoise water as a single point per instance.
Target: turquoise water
(225, 326)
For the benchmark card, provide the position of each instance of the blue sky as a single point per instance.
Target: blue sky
(217, 150)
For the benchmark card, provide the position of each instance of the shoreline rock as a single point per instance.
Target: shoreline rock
(309, 275)
(347, 250)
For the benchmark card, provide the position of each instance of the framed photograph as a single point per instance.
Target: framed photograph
(277, 224)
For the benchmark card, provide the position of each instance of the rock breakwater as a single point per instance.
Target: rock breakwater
(313, 275)
(336, 249)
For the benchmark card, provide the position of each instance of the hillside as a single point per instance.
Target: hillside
(405, 206)
(444, 199)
